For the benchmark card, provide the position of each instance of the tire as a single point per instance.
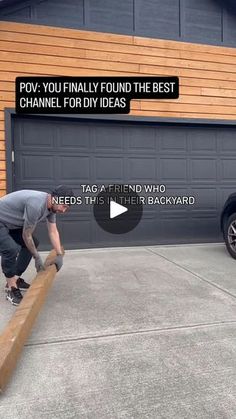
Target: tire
(229, 233)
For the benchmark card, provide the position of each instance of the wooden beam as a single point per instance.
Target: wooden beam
(19, 327)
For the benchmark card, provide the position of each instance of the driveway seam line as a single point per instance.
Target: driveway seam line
(213, 284)
(138, 332)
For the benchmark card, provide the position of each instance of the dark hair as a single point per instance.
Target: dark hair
(62, 191)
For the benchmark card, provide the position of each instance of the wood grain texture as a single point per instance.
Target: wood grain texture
(207, 73)
(184, 46)
(79, 55)
(19, 327)
(50, 70)
(2, 156)
(2, 175)
(67, 33)
(2, 145)
(174, 114)
(2, 165)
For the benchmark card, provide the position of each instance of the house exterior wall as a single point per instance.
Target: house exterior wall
(207, 73)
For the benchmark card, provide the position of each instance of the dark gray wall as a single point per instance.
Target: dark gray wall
(201, 21)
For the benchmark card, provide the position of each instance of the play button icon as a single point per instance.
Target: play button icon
(118, 209)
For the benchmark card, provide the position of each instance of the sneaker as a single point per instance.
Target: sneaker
(14, 296)
(21, 284)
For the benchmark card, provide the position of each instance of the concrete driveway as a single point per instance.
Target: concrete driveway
(146, 332)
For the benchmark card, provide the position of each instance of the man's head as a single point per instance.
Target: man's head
(61, 199)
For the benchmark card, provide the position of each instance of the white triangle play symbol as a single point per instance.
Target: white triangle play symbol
(116, 209)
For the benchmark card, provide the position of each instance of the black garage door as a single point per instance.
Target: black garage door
(188, 159)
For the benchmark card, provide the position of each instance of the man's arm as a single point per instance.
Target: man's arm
(28, 239)
(56, 243)
(54, 237)
(31, 217)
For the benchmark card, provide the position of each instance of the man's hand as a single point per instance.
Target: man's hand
(58, 261)
(39, 265)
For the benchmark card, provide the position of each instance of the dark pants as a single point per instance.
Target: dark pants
(15, 255)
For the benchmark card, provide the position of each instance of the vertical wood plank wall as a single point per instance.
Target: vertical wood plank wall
(207, 73)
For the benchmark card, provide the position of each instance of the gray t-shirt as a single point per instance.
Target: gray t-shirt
(24, 208)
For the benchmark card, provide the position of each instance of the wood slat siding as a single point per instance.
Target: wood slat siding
(207, 73)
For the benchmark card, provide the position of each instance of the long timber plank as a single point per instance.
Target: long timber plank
(14, 336)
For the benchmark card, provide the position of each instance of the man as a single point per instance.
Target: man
(19, 214)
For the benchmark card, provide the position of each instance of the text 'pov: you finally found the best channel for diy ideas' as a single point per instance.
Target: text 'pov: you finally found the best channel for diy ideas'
(71, 95)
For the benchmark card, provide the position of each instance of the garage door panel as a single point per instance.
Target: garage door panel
(228, 145)
(140, 139)
(180, 226)
(189, 230)
(225, 192)
(203, 145)
(30, 170)
(74, 168)
(78, 210)
(77, 234)
(188, 159)
(68, 137)
(205, 227)
(103, 238)
(173, 170)
(31, 135)
(228, 167)
(169, 214)
(146, 232)
(172, 144)
(149, 213)
(206, 199)
(204, 170)
(108, 138)
(109, 168)
(206, 214)
(172, 208)
(76, 237)
(142, 169)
